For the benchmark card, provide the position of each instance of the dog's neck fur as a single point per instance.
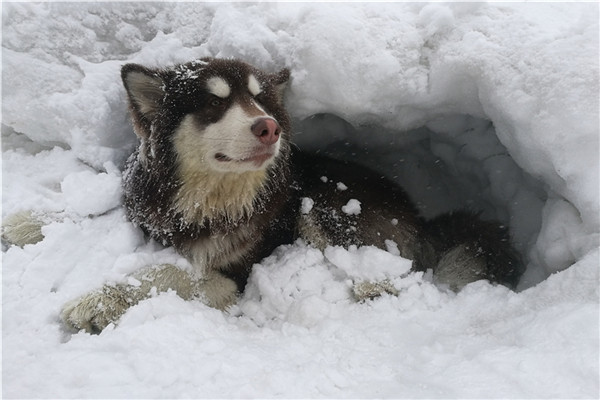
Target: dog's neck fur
(208, 195)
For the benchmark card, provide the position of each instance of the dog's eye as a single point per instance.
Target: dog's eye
(260, 97)
(216, 102)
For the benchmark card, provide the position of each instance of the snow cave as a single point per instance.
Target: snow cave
(487, 106)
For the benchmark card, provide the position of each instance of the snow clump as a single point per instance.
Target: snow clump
(352, 207)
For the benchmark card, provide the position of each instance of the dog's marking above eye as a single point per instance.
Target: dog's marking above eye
(254, 85)
(219, 87)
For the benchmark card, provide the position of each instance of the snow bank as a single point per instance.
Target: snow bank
(493, 106)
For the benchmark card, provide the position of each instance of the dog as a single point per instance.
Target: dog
(215, 176)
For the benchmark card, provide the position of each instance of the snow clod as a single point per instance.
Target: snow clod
(352, 207)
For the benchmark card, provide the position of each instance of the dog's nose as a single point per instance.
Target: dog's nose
(267, 130)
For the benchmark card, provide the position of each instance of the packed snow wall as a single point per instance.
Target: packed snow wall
(487, 106)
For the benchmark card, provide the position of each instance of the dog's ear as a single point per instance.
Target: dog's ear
(145, 90)
(280, 80)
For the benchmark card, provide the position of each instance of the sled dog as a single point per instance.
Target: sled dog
(215, 176)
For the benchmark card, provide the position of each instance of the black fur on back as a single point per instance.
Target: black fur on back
(485, 240)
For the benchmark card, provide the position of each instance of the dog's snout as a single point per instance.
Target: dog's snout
(267, 130)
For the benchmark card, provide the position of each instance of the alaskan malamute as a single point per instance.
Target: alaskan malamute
(216, 177)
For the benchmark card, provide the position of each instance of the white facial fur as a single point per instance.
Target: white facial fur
(253, 85)
(231, 136)
(219, 87)
(210, 186)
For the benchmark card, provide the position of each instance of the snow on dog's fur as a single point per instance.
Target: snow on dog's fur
(215, 177)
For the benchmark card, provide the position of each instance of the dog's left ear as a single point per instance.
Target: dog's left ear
(280, 80)
(145, 90)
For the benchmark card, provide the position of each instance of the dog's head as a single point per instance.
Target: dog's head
(217, 115)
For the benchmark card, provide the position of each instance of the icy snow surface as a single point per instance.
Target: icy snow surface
(491, 106)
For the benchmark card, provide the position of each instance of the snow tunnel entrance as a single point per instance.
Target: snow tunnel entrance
(456, 162)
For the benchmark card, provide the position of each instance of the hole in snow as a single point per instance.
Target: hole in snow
(452, 163)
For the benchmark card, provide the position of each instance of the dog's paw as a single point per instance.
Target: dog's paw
(218, 292)
(94, 311)
(369, 290)
(22, 228)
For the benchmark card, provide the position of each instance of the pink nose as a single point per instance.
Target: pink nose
(267, 130)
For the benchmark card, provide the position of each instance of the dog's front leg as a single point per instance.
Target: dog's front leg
(94, 311)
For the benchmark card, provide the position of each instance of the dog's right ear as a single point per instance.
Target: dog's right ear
(145, 90)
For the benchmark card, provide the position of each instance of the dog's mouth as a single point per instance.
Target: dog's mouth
(222, 157)
(257, 159)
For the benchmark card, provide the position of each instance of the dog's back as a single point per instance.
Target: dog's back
(352, 205)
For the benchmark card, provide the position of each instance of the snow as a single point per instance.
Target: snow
(493, 106)
(367, 263)
(352, 207)
(306, 205)
(91, 193)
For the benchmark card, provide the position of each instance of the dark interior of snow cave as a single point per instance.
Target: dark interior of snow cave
(454, 162)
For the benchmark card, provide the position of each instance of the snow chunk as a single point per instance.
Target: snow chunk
(307, 205)
(87, 193)
(367, 263)
(392, 247)
(352, 207)
(435, 19)
(341, 186)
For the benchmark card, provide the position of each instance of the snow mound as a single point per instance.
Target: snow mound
(91, 193)
(489, 106)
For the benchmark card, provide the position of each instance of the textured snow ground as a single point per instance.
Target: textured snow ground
(492, 106)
